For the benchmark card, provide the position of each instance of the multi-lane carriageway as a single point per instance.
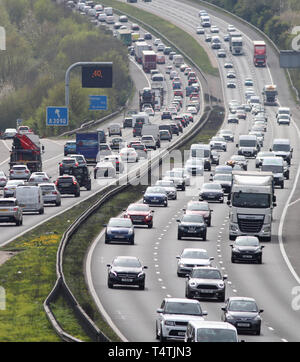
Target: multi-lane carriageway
(132, 312)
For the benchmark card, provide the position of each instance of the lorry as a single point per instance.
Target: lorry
(159, 91)
(236, 43)
(88, 144)
(139, 47)
(152, 130)
(146, 96)
(251, 204)
(260, 53)
(125, 36)
(178, 60)
(26, 150)
(138, 121)
(149, 60)
(270, 94)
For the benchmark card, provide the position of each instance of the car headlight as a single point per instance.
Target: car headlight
(169, 323)
(181, 265)
(229, 317)
(257, 318)
(141, 274)
(192, 284)
(221, 285)
(112, 273)
(130, 231)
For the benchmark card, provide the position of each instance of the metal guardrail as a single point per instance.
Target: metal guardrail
(61, 285)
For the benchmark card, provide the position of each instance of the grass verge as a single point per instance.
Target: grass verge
(183, 40)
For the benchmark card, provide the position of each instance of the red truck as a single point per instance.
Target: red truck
(26, 150)
(260, 53)
(148, 60)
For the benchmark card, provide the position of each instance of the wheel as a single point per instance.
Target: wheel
(58, 203)
(259, 260)
(89, 186)
(110, 284)
(142, 286)
(209, 222)
(183, 188)
(288, 176)
(222, 298)
(222, 201)
(232, 260)
(179, 236)
(106, 241)
(232, 237)
(150, 226)
(77, 194)
(41, 211)
(166, 204)
(161, 337)
(204, 237)
(18, 223)
(258, 332)
(187, 294)
(132, 241)
(156, 332)
(282, 185)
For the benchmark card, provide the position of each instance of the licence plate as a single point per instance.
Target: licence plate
(3, 210)
(65, 185)
(192, 231)
(209, 291)
(126, 280)
(247, 256)
(181, 333)
(243, 324)
(119, 236)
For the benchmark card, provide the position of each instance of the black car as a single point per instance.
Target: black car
(192, 226)
(246, 248)
(119, 229)
(211, 192)
(174, 129)
(126, 270)
(128, 121)
(225, 180)
(215, 157)
(147, 36)
(242, 313)
(166, 115)
(68, 185)
(82, 175)
(66, 164)
(155, 195)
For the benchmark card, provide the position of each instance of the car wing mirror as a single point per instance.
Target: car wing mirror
(204, 312)
(261, 310)
(108, 265)
(225, 277)
(159, 310)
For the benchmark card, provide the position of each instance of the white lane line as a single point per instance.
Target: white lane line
(293, 203)
(271, 329)
(284, 340)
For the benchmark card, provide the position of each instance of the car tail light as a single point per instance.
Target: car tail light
(45, 179)
(60, 165)
(26, 171)
(74, 182)
(5, 188)
(56, 182)
(15, 209)
(54, 193)
(11, 171)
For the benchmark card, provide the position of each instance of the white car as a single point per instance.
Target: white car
(173, 316)
(227, 134)
(9, 133)
(261, 155)
(184, 174)
(157, 41)
(191, 258)
(3, 179)
(218, 143)
(192, 110)
(194, 166)
(116, 161)
(10, 187)
(176, 178)
(19, 172)
(214, 29)
(170, 188)
(284, 119)
(104, 169)
(51, 195)
(129, 155)
(39, 177)
(200, 30)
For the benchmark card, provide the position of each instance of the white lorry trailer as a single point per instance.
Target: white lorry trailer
(251, 204)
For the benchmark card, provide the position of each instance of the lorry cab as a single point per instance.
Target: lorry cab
(282, 147)
(248, 146)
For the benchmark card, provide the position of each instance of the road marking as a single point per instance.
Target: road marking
(284, 340)
(294, 202)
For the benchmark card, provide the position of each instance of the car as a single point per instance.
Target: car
(260, 137)
(171, 55)
(80, 159)
(170, 188)
(10, 211)
(51, 195)
(160, 59)
(284, 119)
(224, 180)
(126, 270)
(206, 282)
(211, 192)
(194, 166)
(231, 28)
(262, 124)
(233, 118)
(231, 75)
(223, 169)
(140, 214)
(19, 172)
(214, 158)
(140, 149)
(82, 175)
(9, 133)
(117, 143)
(210, 331)
(123, 19)
(116, 161)
(135, 27)
(3, 179)
(174, 128)
(10, 187)
(192, 110)
(243, 313)
(156, 195)
(181, 172)
(200, 30)
(129, 154)
(261, 155)
(115, 129)
(167, 50)
(208, 38)
(192, 225)
(238, 160)
(119, 229)
(218, 143)
(246, 248)
(66, 164)
(228, 65)
(214, 29)
(147, 36)
(199, 208)
(191, 258)
(149, 141)
(68, 184)
(226, 37)
(248, 82)
(104, 169)
(69, 148)
(39, 177)
(104, 150)
(227, 134)
(166, 115)
(173, 317)
(160, 47)
(221, 53)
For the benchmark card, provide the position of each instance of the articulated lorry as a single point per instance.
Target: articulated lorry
(88, 144)
(270, 94)
(236, 43)
(26, 150)
(139, 47)
(251, 204)
(260, 53)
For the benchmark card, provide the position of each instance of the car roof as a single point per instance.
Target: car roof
(242, 298)
(211, 324)
(181, 300)
(194, 249)
(8, 199)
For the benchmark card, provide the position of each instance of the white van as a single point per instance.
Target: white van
(108, 11)
(157, 77)
(210, 331)
(110, 19)
(104, 169)
(283, 110)
(205, 21)
(30, 198)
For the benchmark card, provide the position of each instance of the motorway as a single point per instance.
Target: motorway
(132, 313)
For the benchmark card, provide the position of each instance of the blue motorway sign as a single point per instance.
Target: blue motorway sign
(57, 116)
(98, 103)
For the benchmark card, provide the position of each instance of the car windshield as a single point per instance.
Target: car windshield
(138, 207)
(242, 306)
(285, 116)
(174, 174)
(272, 168)
(193, 218)
(122, 223)
(212, 187)
(223, 178)
(251, 200)
(247, 241)
(127, 262)
(7, 203)
(155, 190)
(165, 184)
(194, 254)
(206, 273)
(247, 143)
(183, 308)
(281, 147)
(198, 207)
(265, 154)
(216, 335)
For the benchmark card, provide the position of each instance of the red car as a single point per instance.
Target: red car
(140, 214)
(199, 208)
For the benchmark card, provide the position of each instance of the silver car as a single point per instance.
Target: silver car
(39, 177)
(170, 188)
(3, 179)
(19, 172)
(191, 258)
(10, 187)
(51, 195)
(10, 211)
